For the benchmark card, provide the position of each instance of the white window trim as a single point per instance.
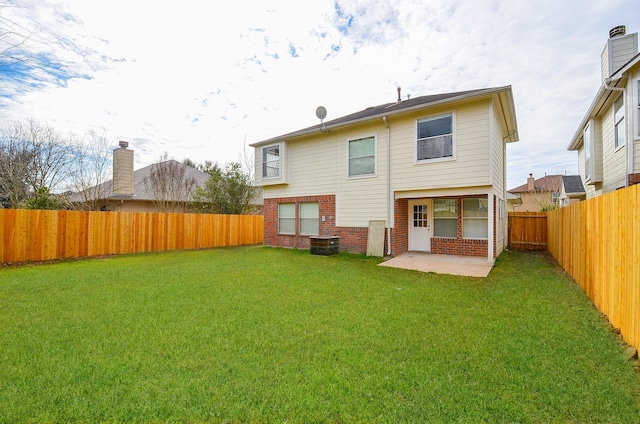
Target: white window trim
(300, 218)
(375, 157)
(636, 103)
(295, 213)
(589, 167)
(280, 168)
(476, 218)
(453, 139)
(616, 146)
(444, 218)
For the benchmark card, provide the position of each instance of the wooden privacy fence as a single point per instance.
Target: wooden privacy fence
(598, 243)
(527, 230)
(29, 235)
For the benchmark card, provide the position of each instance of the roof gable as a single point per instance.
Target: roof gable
(549, 183)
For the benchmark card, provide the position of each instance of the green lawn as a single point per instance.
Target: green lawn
(275, 335)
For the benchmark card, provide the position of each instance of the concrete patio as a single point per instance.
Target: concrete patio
(441, 264)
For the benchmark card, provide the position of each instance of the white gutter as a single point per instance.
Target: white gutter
(384, 119)
(626, 135)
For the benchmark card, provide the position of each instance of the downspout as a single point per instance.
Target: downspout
(629, 150)
(384, 119)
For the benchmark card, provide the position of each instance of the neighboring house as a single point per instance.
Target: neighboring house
(432, 168)
(130, 191)
(539, 194)
(571, 190)
(608, 138)
(513, 201)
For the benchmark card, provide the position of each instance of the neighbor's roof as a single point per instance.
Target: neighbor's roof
(140, 191)
(602, 97)
(547, 183)
(572, 184)
(405, 106)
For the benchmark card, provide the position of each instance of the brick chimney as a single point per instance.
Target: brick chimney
(123, 170)
(618, 50)
(531, 183)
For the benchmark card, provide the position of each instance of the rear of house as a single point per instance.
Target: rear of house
(432, 168)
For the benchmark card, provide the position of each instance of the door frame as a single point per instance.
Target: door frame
(410, 204)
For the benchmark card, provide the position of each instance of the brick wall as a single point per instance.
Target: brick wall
(400, 232)
(352, 239)
(634, 179)
(445, 246)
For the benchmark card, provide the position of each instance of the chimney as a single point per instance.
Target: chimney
(618, 50)
(123, 170)
(531, 184)
(399, 98)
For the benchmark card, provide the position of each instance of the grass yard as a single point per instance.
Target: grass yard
(275, 335)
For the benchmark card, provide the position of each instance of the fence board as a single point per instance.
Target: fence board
(45, 235)
(598, 243)
(527, 230)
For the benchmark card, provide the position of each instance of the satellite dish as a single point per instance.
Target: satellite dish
(321, 112)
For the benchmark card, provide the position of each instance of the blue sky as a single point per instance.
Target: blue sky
(195, 81)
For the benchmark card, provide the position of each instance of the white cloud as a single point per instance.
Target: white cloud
(197, 81)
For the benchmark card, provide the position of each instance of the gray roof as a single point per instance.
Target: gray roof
(572, 184)
(403, 106)
(140, 191)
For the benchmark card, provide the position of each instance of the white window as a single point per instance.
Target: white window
(638, 108)
(362, 157)
(618, 119)
(435, 137)
(309, 219)
(555, 198)
(271, 161)
(475, 218)
(587, 151)
(286, 218)
(445, 218)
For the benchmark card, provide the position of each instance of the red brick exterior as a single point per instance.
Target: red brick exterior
(634, 179)
(458, 246)
(354, 239)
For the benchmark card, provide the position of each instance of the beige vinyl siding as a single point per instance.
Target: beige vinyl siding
(319, 165)
(471, 163)
(613, 161)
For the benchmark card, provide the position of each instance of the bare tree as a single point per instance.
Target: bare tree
(169, 185)
(13, 37)
(34, 156)
(91, 170)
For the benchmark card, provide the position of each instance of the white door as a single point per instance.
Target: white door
(420, 225)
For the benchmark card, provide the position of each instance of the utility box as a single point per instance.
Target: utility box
(324, 245)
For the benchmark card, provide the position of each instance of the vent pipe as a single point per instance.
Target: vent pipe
(399, 98)
(617, 31)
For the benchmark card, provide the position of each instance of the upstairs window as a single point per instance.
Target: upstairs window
(638, 108)
(271, 162)
(362, 157)
(435, 137)
(618, 119)
(587, 151)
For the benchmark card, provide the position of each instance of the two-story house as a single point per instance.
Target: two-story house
(431, 167)
(608, 138)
